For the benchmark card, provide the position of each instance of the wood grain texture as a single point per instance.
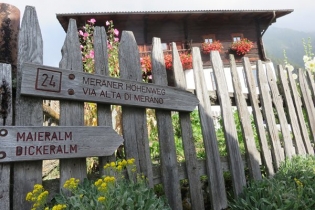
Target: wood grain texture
(135, 130)
(50, 82)
(71, 112)
(56, 142)
(230, 133)
(298, 140)
(307, 100)
(259, 123)
(253, 156)
(266, 103)
(104, 114)
(29, 110)
(165, 133)
(213, 163)
(5, 170)
(298, 108)
(289, 150)
(195, 188)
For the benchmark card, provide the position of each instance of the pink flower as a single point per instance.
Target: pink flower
(86, 34)
(109, 46)
(81, 33)
(116, 32)
(116, 39)
(107, 23)
(81, 47)
(91, 21)
(91, 54)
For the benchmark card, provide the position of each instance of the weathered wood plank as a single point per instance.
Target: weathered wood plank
(307, 101)
(195, 188)
(253, 156)
(298, 141)
(44, 82)
(165, 133)
(39, 143)
(135, 130)
(104, 114)
(278, 103)
(310, 81)
(213, 163)
(230, 133)
(72, 112)
(265, 152)
(276, 149)
(28, 111)
(5, 120)
(298, 108)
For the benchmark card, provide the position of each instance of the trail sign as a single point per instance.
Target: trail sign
(37, 143)
(56, 83)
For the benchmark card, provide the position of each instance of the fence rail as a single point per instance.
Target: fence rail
(275, 99)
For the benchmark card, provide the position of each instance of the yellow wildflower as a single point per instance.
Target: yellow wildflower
(113, 164)
(130, 161)
(101, 199)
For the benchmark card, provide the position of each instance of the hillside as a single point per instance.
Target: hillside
(278, 39)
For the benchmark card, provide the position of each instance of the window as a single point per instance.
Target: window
(209, 38)
(237, 37)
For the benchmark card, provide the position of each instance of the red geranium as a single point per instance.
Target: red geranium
(208, 47)
(242, 46)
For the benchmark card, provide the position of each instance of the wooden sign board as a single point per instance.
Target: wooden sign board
(56, 83)
(39, 143)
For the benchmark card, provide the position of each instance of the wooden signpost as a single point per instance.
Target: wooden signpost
(37, 143)
(44, 81)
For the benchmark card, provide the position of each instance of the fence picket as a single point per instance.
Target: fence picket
(213, 161)
(307, 100)
(276, 150)
(135, 130)
(104, 114)
(5, 168)
(298, 108)
(253, 156)
(299, 146)
(28, 110)
(195, 187)
(253, 97)
(278, 103)
(165, 133)
(72, 112)
(230, 133)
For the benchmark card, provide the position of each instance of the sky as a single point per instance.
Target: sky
(54, 35)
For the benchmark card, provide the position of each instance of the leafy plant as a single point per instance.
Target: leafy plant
(291, 188)
(113, 191)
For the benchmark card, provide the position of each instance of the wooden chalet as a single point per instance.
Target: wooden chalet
(189, 28)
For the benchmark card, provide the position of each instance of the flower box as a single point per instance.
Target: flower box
(207, 47)
(242, 46)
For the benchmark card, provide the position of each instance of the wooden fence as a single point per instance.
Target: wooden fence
(276, 95)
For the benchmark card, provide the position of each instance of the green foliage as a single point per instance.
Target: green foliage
(112, 191)
(291, 188)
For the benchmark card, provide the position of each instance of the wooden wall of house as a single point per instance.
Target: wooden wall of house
(189, 33)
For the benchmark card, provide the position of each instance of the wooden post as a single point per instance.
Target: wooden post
(278, 103)
(253, 97)
(298, 107)
(135, 130)
(298, 140)
(193, 174)
(230, 133)
(29, 111)
(72, 113)
(213, 161)
(166, 133)
(307, 100)
(276, 149)
(104, 114)
(252, 154)
(5, 119)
